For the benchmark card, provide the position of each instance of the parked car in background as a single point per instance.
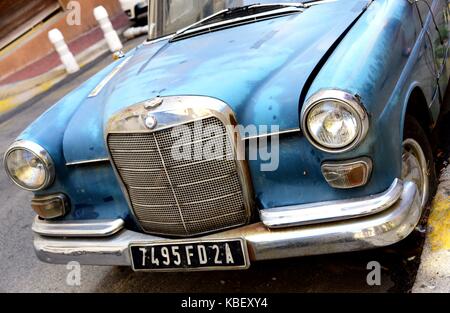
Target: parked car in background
(241, 132)
(135, 9)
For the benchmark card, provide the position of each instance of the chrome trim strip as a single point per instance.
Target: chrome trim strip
(87, 161)
(310, 4)
(306, 214)
(151, 41)
(282, 132)
(106, 80)
(351, 101)
(170, 184)
(382, 229)
(38, 151)
(86, 228)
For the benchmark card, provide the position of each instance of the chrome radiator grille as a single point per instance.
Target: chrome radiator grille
(179, 197)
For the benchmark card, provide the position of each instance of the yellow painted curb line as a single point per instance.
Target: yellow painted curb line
(439, 222)
(7, 104)
(17, 94)
(434, 270)
(14, 101)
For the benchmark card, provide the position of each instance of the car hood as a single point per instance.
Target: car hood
(258, 69)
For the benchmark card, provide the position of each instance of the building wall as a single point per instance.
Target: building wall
(35, 44)
(19, 16)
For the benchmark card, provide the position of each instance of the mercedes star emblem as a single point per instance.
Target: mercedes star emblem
(150, 121)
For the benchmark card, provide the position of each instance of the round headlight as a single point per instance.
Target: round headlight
(332, 124)
(29, 166)
(334, 121)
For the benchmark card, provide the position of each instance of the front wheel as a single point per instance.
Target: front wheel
(418, 167)
(417, 161)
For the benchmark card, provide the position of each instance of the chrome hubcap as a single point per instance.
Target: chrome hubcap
(414, 168)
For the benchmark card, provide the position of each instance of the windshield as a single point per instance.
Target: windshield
(168, 16)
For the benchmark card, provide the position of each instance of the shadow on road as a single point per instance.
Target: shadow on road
(441, 138)
(332, 273)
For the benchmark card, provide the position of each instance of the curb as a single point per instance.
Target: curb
(434, 271)
(13, 95)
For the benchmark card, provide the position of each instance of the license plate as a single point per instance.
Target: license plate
(190, 255)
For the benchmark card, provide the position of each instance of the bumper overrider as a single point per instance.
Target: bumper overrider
(319, 228)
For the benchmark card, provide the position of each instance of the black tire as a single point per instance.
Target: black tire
(414, 130)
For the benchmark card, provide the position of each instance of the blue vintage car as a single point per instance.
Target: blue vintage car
(241, 132)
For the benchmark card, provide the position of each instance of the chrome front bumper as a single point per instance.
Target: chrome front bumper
(380, 229)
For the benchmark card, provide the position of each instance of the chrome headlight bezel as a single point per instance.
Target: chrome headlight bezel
(346, 99)
(41, 154)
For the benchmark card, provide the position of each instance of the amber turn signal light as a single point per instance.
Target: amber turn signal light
(347, 174)
(53, 206)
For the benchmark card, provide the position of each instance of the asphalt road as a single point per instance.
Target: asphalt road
(20, 271)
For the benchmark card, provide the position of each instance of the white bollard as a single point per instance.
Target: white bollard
(136, 31)
(67, 58)
(110, 34)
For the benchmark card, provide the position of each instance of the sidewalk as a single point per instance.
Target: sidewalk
(40, 76)
(434, 271)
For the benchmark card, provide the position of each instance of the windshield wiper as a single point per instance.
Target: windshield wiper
(252, 9)
(240, 15)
